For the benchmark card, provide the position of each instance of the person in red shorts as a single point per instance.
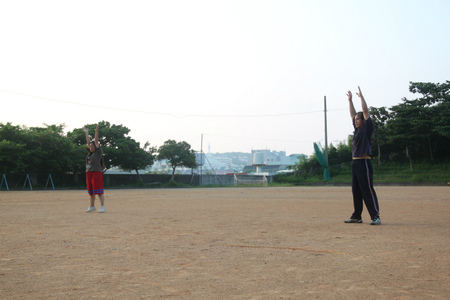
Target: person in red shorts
(94, 172)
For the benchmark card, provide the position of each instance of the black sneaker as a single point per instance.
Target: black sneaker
(353, 221)
(376, 221)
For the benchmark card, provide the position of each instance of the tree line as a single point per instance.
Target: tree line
(413, 131)
(48, 150)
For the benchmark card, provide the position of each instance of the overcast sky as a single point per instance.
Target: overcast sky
(245, 74)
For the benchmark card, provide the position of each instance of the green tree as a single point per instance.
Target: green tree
(340, 154)
(431, 92)
(119, 149)
(133, 157)
(11, 148)
(379, 117)
(435, 96)
(36, 150)
(48, 151)
(177, 155)
(403, 130)
(109, 138)
(422, 125)
(307, 165)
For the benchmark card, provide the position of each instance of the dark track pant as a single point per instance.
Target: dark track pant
(362, 188)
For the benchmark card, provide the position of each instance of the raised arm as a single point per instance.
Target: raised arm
(86, 132)
(96, 137)
(365, 109)
(351, 106)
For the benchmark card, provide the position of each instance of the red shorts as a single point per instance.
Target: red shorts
(94, 182)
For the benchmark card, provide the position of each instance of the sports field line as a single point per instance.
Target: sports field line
(287, 248)
(102, 236)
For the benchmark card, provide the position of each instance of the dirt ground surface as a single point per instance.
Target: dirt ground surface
(224, 243)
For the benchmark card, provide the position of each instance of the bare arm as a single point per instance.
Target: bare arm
(96, 137)
(86, 132)
(351, 106)
(363, 105)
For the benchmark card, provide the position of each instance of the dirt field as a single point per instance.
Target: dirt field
(224, 243)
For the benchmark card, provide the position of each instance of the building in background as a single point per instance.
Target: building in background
(269, 163)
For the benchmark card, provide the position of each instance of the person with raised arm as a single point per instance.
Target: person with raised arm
(94, 171)
(362, 170)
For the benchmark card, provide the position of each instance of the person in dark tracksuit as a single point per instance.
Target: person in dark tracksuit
(362, 170)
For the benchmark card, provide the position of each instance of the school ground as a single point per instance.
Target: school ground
(224, 243)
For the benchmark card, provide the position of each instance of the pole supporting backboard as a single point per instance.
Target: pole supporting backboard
(6, 182)
(29, 182)
(51, 180)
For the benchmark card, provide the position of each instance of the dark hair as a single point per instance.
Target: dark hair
(361, 115)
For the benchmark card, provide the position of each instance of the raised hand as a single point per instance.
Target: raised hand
(349, 95)
(359, 94)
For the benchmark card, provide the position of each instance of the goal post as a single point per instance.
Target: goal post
(250, 180)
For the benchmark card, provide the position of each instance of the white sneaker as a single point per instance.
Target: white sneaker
(102, 209)
(91, 209)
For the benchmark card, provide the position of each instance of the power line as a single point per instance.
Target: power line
(255, 138)
(166, 113)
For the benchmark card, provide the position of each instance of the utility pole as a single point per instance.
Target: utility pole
(201, 161)
(326, 133)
